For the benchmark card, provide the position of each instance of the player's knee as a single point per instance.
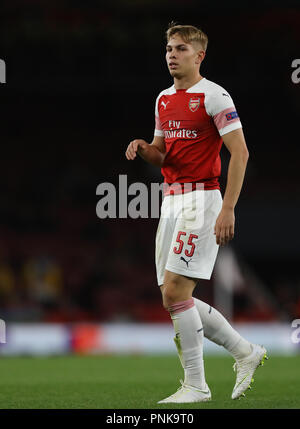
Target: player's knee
(176, 289)
(167, 300)
(171, 294)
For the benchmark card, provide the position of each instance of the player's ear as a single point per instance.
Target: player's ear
(200, 56)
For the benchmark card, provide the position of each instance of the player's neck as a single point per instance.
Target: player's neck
(187, 82)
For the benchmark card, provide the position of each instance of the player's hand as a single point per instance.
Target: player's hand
(133, 148)
(224, 227)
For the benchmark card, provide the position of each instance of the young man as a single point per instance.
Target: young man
(193, 117)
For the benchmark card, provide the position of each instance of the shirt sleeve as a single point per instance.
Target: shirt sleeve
(158, 131)
(221, 107)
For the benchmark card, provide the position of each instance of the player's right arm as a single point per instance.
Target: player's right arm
(154, 153)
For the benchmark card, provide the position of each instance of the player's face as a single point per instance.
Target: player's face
(182, 58)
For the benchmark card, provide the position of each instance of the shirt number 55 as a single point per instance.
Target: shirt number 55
(178, 250)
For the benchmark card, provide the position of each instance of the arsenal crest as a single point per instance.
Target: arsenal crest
(194, 104)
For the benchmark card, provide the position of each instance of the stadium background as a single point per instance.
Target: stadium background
(82, 78)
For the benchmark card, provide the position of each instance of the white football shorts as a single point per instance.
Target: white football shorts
(185, 241)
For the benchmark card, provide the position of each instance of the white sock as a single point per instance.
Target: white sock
(217, 329)
(189, 341)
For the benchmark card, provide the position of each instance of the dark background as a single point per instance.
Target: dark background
(82, 78)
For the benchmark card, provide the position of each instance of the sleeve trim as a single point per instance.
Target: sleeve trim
(230, 127)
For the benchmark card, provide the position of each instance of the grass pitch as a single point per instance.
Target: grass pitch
(137, 382)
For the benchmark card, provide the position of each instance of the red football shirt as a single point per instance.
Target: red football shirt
(192, 122)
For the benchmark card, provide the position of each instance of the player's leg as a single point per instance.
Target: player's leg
(218, 330)
(177, 290)
(200, 265)
(177, 299)
(177, 293)
(248, 356)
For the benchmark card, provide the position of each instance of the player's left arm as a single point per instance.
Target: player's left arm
(235, 143)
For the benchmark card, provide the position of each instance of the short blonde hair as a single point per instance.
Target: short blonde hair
(188, 33)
